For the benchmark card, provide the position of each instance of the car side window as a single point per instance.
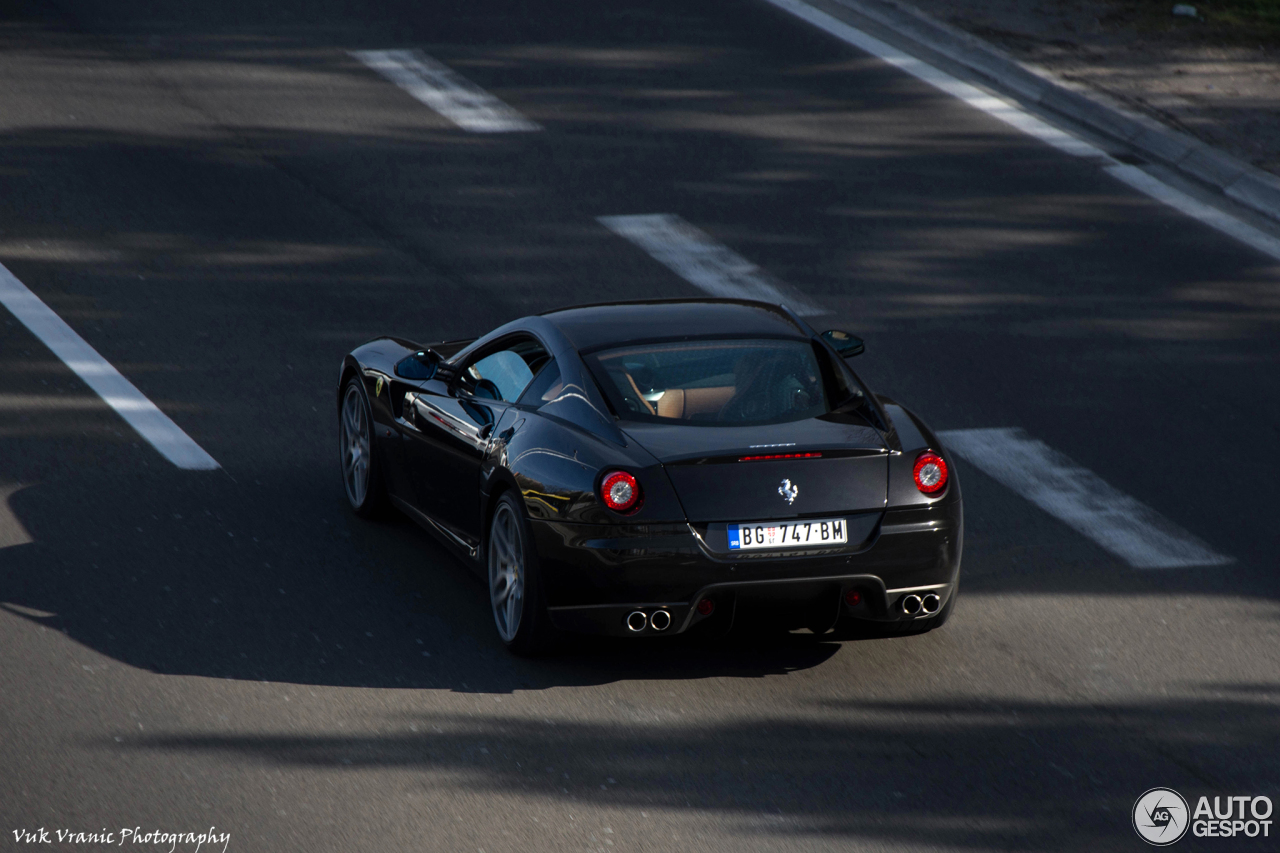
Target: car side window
(504, 372)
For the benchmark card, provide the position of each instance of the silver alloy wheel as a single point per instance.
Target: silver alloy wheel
(353, 444)
(506, 571)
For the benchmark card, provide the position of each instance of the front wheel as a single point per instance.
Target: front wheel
(515, 593)
(361, 470)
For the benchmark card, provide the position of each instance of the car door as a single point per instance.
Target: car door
(452, 425)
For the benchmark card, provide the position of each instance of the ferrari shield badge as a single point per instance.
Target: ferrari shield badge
(788, 491)
(377, 388)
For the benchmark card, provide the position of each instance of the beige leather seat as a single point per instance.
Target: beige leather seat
(686, 402)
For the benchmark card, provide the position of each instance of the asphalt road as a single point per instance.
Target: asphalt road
(222, 201)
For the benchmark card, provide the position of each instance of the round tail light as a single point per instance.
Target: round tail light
(620, 491)
(930, 473)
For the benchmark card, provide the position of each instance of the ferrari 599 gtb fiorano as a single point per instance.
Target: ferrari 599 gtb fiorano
(649, 468)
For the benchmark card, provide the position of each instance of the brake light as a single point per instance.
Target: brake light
(620, 491)
(930, 473)
(779, 456)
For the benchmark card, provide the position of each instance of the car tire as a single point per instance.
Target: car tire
(359, 459)
(515, 583)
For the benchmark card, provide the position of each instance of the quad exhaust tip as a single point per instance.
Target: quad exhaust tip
(915, 605)
(638, 620)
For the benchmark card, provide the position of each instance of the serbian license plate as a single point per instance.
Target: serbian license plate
(812, 533)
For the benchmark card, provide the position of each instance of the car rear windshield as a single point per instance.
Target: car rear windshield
(728, 382)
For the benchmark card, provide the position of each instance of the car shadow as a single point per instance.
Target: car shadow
(274, 580)
(365, 604)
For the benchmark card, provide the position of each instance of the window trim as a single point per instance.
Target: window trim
(601, 377)
(457, 386)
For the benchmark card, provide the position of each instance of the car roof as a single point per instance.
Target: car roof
(590, 326)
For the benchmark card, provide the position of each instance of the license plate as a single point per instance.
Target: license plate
(813, 533)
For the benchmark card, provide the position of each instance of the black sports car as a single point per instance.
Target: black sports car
(644, 468)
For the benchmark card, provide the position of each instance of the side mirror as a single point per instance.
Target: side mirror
(420, 366)
(844, 343)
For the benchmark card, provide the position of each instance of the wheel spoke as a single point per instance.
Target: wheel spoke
(503, 544)
(349, 416)
(513, 609)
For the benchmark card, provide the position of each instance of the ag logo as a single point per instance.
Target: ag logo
(1160, 816)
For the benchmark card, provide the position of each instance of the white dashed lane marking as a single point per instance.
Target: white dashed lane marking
(116, 391)
(1131, 530)
(707, 265)
(446, 91)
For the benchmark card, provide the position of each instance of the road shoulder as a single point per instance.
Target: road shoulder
(1027, 84)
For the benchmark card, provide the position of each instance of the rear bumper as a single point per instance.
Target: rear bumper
(595, 576)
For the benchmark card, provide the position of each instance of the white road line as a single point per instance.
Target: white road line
(707, 265)
(1007, 112)
(116, 391)
(445, 91)
(1183, 203)
(1014, 115)
(1131, 530)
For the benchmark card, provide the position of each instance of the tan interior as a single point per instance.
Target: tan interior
(648, 408)
(687, 402)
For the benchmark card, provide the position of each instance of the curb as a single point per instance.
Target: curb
(1239, 181)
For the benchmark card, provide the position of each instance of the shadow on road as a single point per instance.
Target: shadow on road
(289, 588)
(959, 773)
(274, 580)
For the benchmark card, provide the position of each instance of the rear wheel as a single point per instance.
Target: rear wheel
(361, 467)
(515, 590)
